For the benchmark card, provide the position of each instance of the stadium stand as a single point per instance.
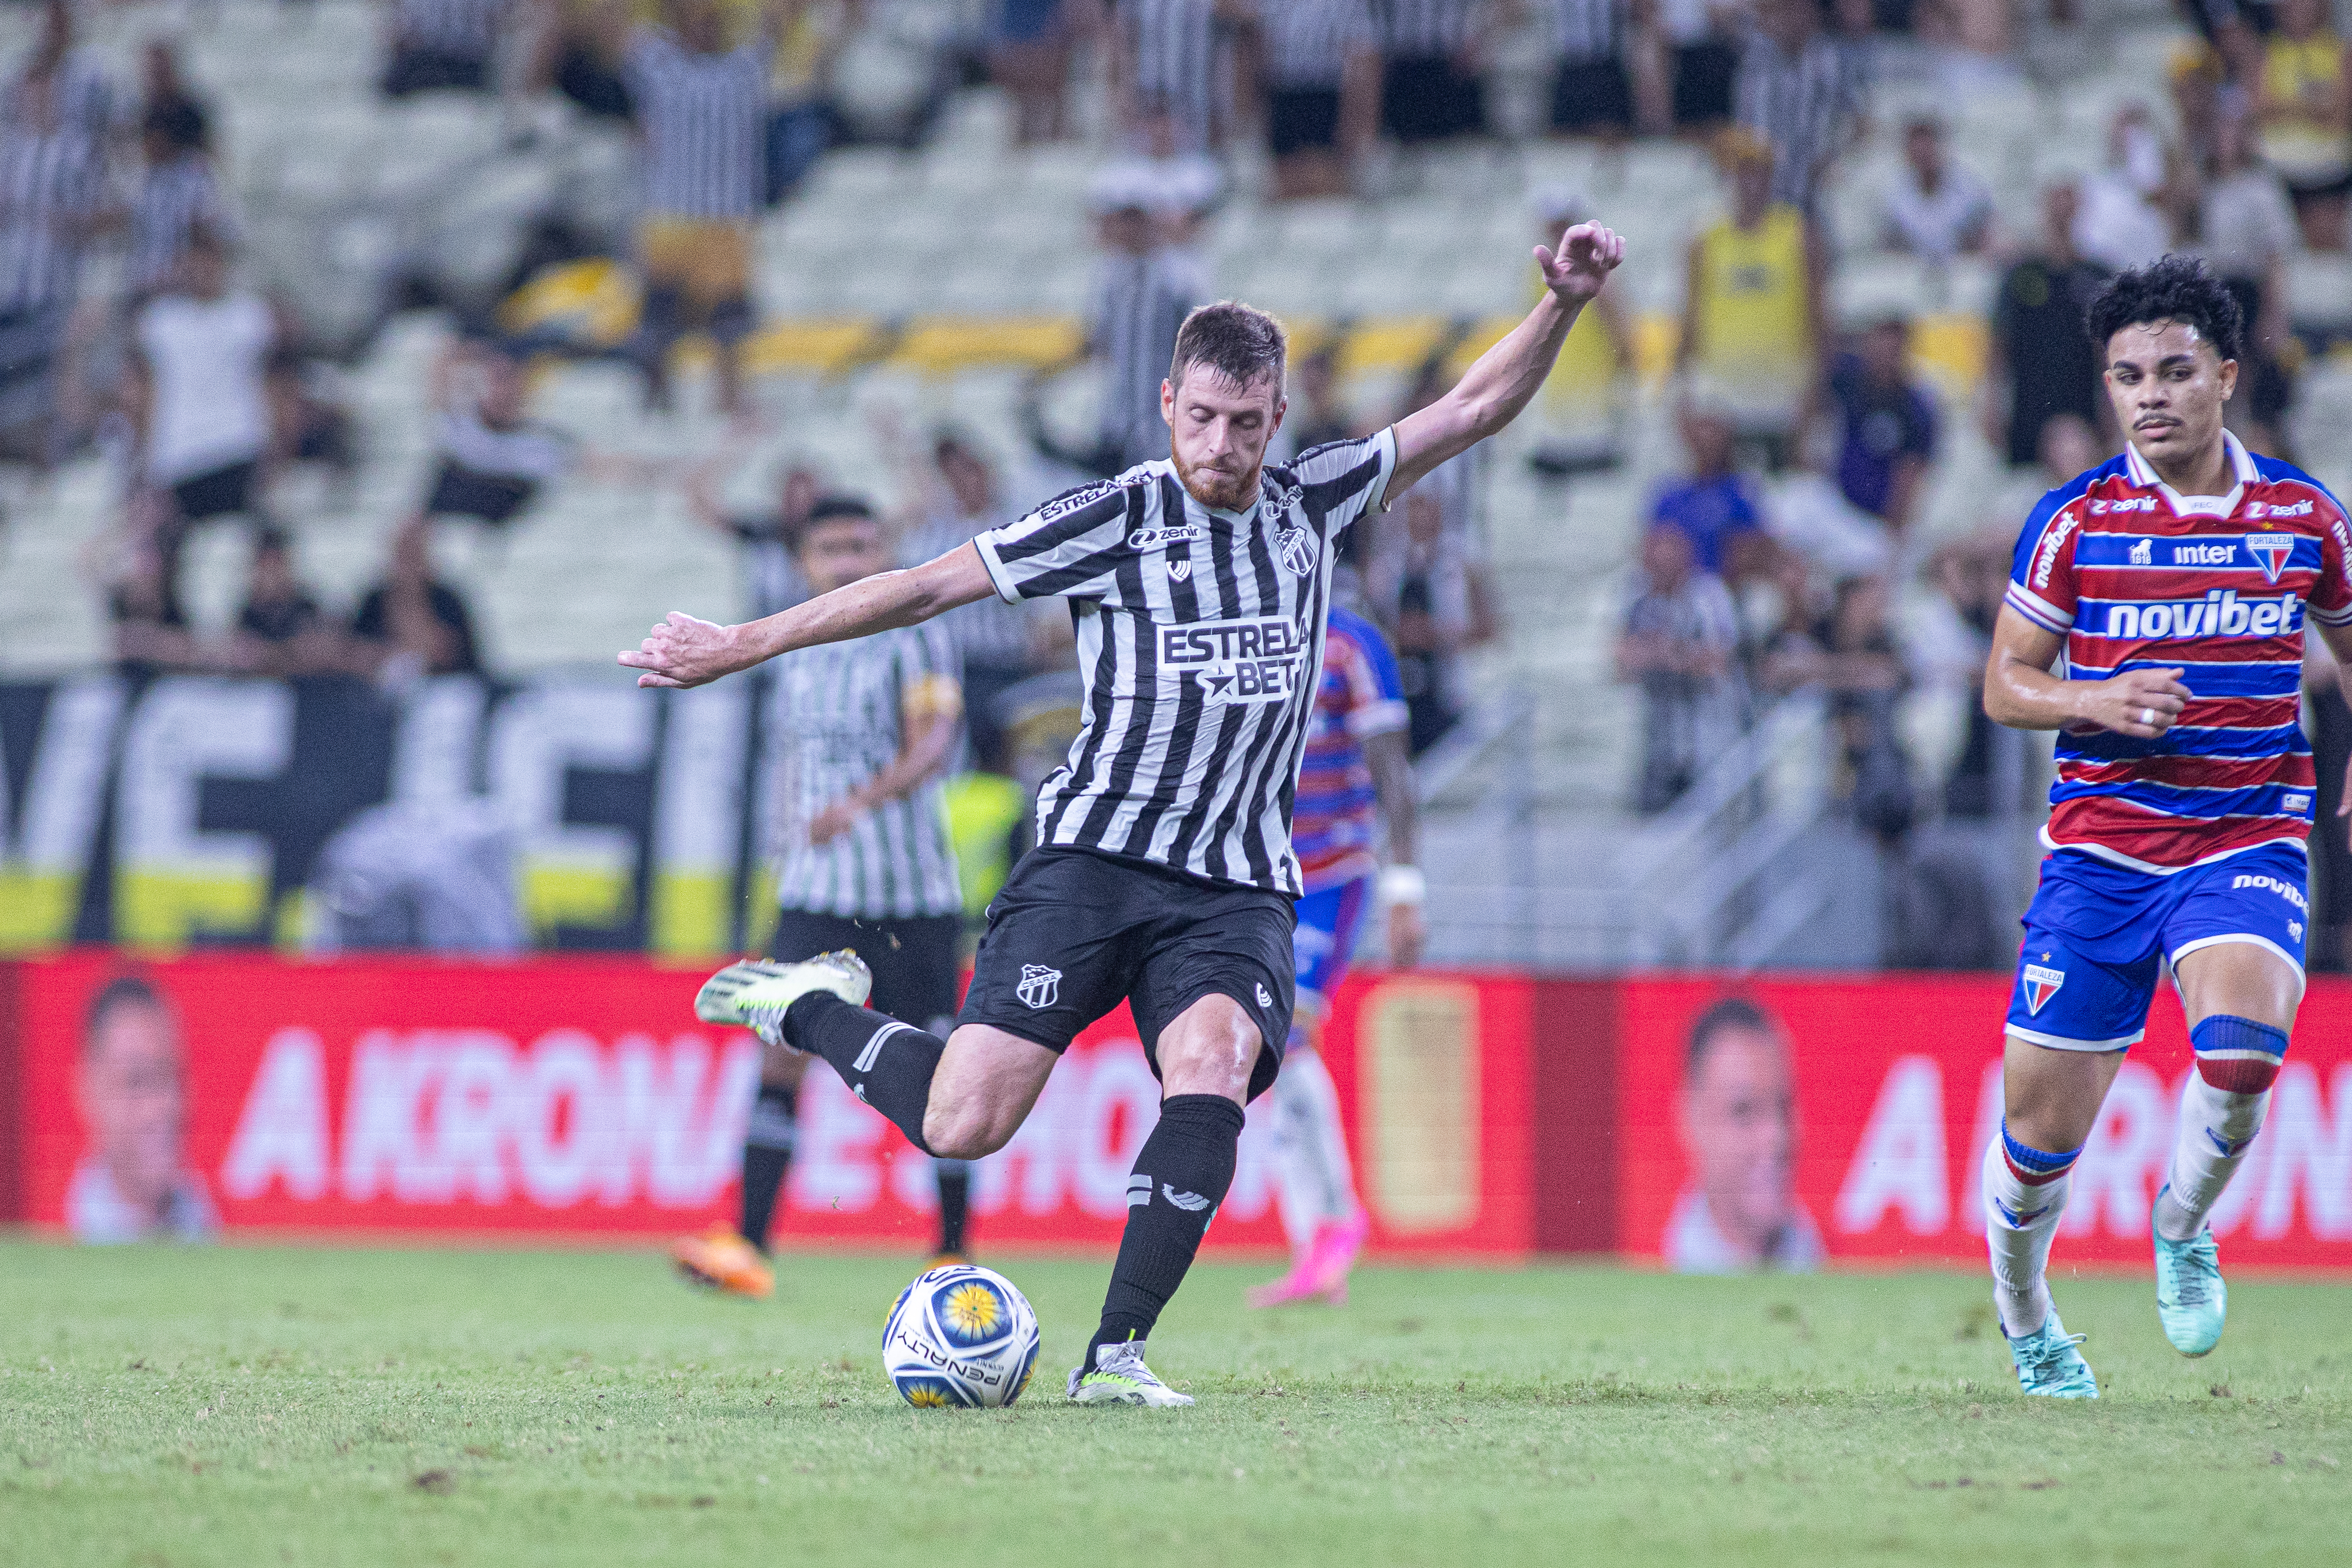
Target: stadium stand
(941, 271)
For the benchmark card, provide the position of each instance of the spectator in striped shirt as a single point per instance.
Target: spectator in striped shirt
(702, 120)
(1320, 67)
(1591, 90)
(178, 193)
(1801, 90)
(1143, 290)
(1171, 61)
(444, 45)
(82, 94)
(50, 174)
(1431, 89)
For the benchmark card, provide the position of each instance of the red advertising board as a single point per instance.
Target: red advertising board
(1491, 1114)
(1894, 1093)
(561, 1095)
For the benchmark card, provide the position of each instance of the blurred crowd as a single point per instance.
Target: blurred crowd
(1776, 560)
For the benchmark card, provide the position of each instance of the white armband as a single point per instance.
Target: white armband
(1402, 885)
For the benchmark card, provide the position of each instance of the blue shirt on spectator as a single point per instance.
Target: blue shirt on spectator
(1877, 425)
(1710, 513)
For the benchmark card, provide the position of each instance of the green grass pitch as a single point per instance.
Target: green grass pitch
(243, 1405)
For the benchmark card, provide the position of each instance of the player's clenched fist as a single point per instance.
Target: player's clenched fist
(684, 651)
(2142, 703)
(1586, 254)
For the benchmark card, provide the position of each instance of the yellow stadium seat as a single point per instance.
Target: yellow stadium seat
(942, 346)
(819, 346)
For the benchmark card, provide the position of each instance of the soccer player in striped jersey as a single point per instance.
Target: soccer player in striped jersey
(1163, 874)
(866, 729)
(2175, 581)
(1355, 761)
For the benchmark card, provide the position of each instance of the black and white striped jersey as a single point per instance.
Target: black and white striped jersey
(1426, 29)
(49, 182)
(1199, 636)
(839, 716)
(1307, 42)
(1587, 29)
(174, 196)
(465, 28)
(1801, 103)
(704, 120)
(1173, 50)
(1139, 304)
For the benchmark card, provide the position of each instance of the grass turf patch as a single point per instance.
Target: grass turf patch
(160, 1407)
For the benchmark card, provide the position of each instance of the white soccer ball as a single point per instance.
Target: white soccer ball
(962, 1335)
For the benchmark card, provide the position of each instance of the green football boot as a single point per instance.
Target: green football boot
(756, 993)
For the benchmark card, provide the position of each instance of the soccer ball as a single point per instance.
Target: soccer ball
(961, 1335)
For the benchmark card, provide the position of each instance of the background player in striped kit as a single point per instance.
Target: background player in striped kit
(1355, 761)
(2175, 581)
(1164, 875)
(866, 729)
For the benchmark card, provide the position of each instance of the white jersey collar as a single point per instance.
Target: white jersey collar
(2241, 464)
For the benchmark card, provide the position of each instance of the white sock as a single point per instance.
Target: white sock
(1317, 1185)
(2217, 1128)
(2020, 1253)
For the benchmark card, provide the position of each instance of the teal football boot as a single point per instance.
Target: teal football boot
(2192, 1301)
(2048, 1363)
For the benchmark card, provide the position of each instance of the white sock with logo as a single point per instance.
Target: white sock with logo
(1317, 1181)
(2020, 1252)
(2217, 1128)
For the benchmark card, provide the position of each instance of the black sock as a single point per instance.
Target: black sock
(1180, 1179)
(887, 1064)
(955, 1201)
(767, 1155)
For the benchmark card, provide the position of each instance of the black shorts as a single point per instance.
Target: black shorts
(1425, 98)
(1302, 120)
(1592, 95)
(1704, 75)
(1073, 934)
(461, 492)
(913, 961)
(220, 492)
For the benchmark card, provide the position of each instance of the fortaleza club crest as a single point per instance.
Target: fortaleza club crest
(1298, 547)
(2272, 551)
(1040, 986)
(2041, 985)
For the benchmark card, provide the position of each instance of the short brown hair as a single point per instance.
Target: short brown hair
(1238, 342)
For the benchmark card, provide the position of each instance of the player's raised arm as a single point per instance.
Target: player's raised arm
(1492, 392)
(2021, 691)
(684, 651)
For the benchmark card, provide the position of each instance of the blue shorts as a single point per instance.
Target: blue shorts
(1326, 938)
(2096, 935)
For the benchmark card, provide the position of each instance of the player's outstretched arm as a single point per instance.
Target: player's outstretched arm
(1492, 392)
(2021, 692)
(684, 651)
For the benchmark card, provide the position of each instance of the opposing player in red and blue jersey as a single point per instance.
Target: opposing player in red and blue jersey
(2176, 581)
(1355, 766)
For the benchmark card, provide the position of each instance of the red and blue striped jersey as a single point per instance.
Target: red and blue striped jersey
(2135, 576)
(1360, 695)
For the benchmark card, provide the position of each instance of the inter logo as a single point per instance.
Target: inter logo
(2041, 985)
(2271, 551)
(1179, 570)
(1040, 987)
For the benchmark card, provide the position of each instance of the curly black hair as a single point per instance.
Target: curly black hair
(2169, 289)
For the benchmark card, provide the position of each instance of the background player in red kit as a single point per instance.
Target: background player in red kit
(2176, 580)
